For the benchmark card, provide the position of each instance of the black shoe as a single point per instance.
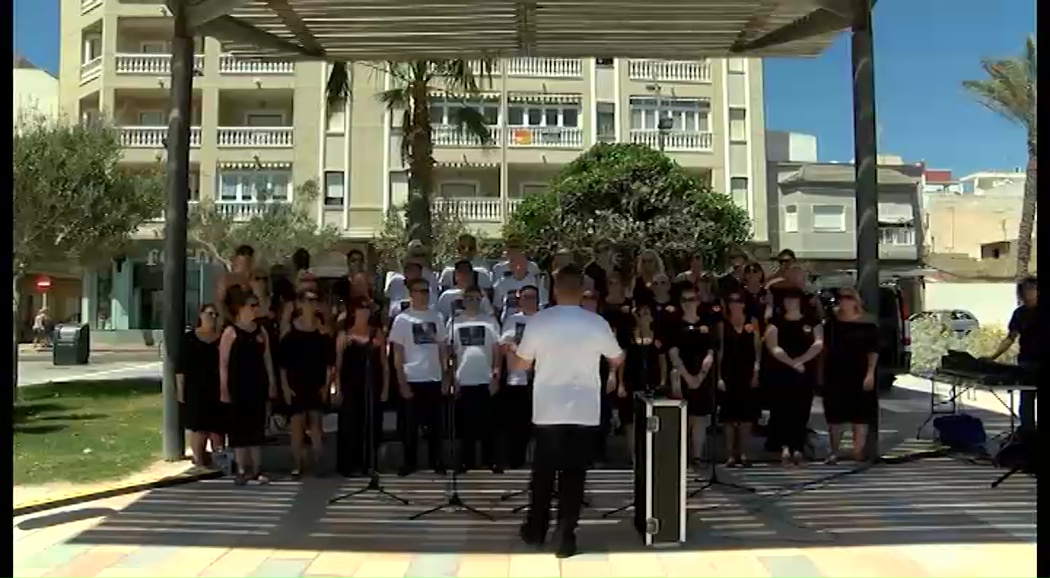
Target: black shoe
(459, 470)
(440, 470)
(497, 469)
(566, 547)
(530, 536)
(405, 471)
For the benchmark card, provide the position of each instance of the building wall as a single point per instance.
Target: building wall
(34, 92)
(962, 223)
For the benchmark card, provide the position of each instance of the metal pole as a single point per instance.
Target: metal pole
(865, 155)
(659, 113)
(178, 173)
(504, 178)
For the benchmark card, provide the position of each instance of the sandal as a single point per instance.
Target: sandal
(731, 462)
(796, 458)
(744, 462)
(297, 474)
(831, 460)
(785, 457)
(261, 479)
(240, 480)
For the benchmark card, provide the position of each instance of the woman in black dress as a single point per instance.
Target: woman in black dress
(246, 381)
(360, 363)
(794, 340)
(617, 311)
(849, 375)
(307, 372)
(692, 354)
(197, 383)
(740, 348)
(647, 267)
(643, 369)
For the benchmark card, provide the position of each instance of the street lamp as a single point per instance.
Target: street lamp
(663, 124)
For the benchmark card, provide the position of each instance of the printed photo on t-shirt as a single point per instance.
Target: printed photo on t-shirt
(519, 332)
(424, 333)
(472, 336)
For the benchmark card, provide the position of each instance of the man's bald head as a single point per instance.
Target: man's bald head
(568, 285)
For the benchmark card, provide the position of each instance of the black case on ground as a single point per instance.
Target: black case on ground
(660, 470)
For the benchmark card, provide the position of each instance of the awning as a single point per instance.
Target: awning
(370, 30)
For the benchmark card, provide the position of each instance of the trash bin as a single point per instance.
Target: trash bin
(71, 344)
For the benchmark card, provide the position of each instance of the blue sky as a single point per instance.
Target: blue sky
(924, 49)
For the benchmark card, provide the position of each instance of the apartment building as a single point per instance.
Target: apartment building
(261, 127)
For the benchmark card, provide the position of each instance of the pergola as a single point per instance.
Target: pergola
(383, 30)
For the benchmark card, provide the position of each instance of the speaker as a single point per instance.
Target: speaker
(660, 470)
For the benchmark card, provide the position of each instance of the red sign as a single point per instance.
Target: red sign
(43, 283)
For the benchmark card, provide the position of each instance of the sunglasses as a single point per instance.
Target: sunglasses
(691, 299)
(420, 291)
(784, 261)
(252, 305)
(210, 313)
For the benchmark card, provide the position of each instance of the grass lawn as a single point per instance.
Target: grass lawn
(86, 431)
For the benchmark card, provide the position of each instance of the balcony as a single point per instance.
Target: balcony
(545, 137)
(152, 137)
(150, 64)
(240, 211)
(669, 70)
(91, 70)
(532, 67)
(231, 64)
(674, 140)
(476, 210)
(256, 137)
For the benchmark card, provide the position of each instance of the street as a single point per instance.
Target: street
(36, 368)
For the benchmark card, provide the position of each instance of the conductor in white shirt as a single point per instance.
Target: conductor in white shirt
(566, 343)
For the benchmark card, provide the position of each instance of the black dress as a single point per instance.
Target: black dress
(305, 358)
(621, 321)
(739, 401)
(199, 365)
(845, 400)
(641, 371)
(362, 367)
(249, 385)
(695, 340)
(792, 391)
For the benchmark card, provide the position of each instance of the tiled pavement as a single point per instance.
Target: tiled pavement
(934, 517)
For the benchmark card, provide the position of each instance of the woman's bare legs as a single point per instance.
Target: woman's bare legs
(316, 426)
(743, 441)
(860, 437)
(199, 447)
(697, 436)
(834, 441)
(731, 431)
(297, 429)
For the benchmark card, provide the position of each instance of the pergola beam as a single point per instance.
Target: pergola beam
(817, 23)
(200, 13)
(232, 29)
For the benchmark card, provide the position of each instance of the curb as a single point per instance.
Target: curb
(119, 490)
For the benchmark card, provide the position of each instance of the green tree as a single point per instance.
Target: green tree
(414, 85)
(74, 203)
(632, 195)
(447, 226)
(275, 232)
(1010, 91)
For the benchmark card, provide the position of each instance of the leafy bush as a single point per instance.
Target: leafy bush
(930, 339)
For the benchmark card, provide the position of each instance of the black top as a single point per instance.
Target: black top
(738, 352)
(694, 341)
(356, 355)
(248, 379)
(597, 274)
(641, 292)
(755, 303)
(849, 344)
(306, 357)
(621, 319)
(642, 365)
(728, 283)
(810, 304)
(1025, 323)
(199, 362)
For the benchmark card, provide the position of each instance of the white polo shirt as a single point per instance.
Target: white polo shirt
(420, 333)
(475, 338)
(396, 290)
(505, 296)
(448, 277)
(567, 343)
(513, 331)
(451, 302)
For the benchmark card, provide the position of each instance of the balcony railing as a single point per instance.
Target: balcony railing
(150, 63)
(670, 70)
(674, 140)
(476, 210)
(91, 69)
(534, 67)
(152, 137)
(89, 5)
(256, 136)
(545, 137)
(231, 64)
(241, 211)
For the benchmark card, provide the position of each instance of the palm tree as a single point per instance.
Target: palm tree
(1010, 90)
(414, 84)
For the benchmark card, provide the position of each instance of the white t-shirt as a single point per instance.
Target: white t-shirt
(500, 270)
(504, 294)
(451, 301)
(475, 339)
(448, 277)
(420, 333)
(513, 330)
(395, 289)
(567, 343)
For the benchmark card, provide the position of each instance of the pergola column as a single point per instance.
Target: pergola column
(175, 222)
(865, 159)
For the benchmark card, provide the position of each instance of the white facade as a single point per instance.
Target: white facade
(35, 91)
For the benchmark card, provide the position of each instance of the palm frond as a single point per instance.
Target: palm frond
(1009, 87)
(471, 121)
(338, 87)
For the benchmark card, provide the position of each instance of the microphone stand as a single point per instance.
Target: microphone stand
(374, 484)
(453, 499)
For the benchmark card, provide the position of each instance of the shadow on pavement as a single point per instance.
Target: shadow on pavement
(928, 501)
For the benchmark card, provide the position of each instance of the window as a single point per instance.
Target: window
(92, 48)
(606, 122)
(604, 62)
(791, 219)
(248, 186)
(737, 124)
(264, 119)
(686, 115)
(546, 115)
(334, 188)
(459, 190)
(738, 190)
(337, 117)
(528, 189)
(152, 118)
(829, 218)
(154, 47)
(445, 112)
(195, 187)
(737, 65)
(898, 235)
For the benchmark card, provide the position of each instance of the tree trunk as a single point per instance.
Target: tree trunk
(16, 283)
(420, 168)
(1028, 206)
